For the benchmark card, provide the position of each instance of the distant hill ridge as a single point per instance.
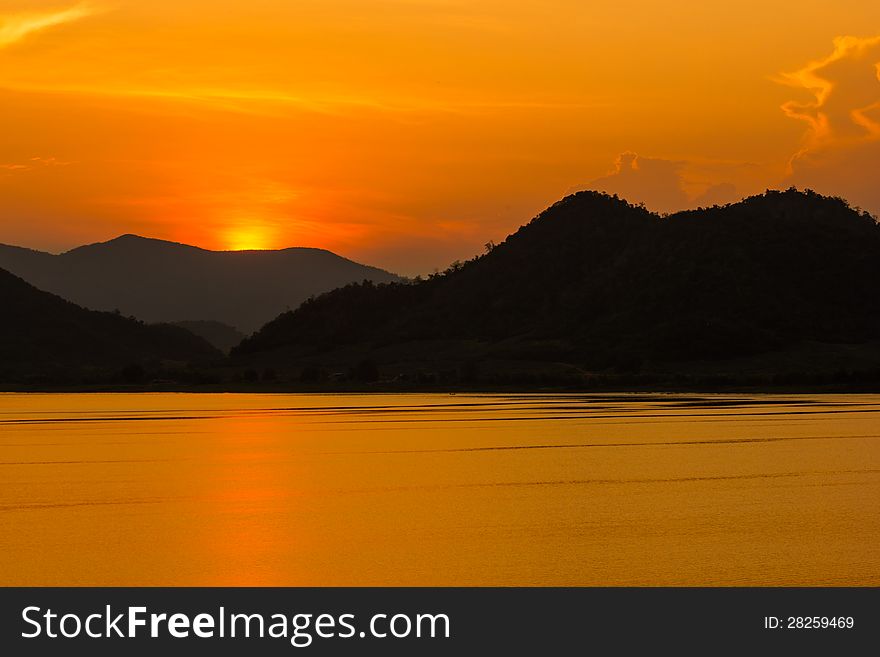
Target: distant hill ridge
(42, 335)
(594, 280)
(160, 281)
(218, 334)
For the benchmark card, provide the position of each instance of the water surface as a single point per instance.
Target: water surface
(384, 489)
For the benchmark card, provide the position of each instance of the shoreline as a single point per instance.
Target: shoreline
(450, 390)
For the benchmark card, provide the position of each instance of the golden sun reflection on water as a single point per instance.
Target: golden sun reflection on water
(186, 489)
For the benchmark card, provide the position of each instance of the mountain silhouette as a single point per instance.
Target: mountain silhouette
(599, 283)
(159, 281)
(42, 336)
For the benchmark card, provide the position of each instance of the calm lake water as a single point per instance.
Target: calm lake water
(384, 489)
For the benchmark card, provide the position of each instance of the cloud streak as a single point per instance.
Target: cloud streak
(33, 163)
(15, 27)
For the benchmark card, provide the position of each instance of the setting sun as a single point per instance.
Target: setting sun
(248, 239)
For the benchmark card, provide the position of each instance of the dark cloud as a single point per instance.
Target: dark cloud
(717, 194)
(662, 184)
(654, 182)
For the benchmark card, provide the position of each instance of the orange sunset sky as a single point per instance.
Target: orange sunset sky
(407, 133)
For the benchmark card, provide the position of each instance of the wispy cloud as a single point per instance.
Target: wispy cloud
(845, 91)
(840, 153)
(33, 163)
(15, 27)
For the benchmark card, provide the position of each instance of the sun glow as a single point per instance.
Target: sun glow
(248, 238)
